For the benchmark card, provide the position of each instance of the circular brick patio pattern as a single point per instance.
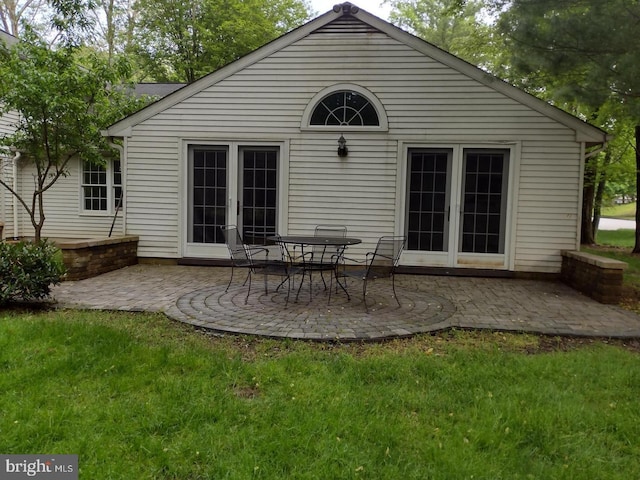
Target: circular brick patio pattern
(311, 317)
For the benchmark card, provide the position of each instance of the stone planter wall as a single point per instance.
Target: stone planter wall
(88, 258)
(598, 277)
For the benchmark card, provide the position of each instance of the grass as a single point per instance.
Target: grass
(137, 396)
(617, 244)
(616, 238)
(626, 211)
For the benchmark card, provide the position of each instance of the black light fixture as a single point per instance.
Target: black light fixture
(342, 147)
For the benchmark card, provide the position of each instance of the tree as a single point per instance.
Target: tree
(615, 180)
(181, 41)
(584, 52)
(114, 23)
(461, 29)
(63, 106)
(15, 12)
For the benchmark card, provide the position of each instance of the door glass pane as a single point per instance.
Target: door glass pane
(484, 201)
(428, 200)
(207, 199)
(259, 193)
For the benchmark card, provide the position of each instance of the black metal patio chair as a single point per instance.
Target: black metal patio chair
(324, 258)
(256, 259)
(380, 263)
(282, 267)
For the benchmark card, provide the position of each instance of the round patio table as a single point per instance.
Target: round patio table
(340, 243)
(312, 240)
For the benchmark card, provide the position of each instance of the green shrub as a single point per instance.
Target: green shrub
(28, 270)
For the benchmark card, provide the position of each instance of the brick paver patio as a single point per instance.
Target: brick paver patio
(196, 295)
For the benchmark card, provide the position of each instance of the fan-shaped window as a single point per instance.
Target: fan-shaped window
(345, 108)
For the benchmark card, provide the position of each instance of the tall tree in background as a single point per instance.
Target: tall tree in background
(585, 52)
(13, 13)
(459, 28)
(113, 30)
(181, 41)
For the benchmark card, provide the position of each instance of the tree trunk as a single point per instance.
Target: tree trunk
(636, 248)
(586, 233)
(597, 204)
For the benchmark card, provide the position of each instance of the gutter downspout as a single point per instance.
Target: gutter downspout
(596, 151)
(120, 149)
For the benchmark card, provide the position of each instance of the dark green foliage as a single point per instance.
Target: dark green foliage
(583, 51)
(182, 41)
(28, 270)
(65, 99)
(456, 26)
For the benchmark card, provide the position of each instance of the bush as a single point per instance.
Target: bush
(28, 270)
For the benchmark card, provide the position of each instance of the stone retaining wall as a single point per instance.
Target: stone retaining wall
(88, 258)
(598, 277)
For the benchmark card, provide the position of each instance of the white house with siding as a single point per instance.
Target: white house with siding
(476, 173)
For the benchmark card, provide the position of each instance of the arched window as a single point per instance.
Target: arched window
(345, 107)
(342, 107)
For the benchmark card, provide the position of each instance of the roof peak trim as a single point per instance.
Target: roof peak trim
(585, 132)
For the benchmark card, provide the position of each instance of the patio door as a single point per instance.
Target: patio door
(258, 186)
(230, 185)
(484, 202)
(456, 207)
(429, 204)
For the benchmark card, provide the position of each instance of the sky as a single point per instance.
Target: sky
(371, 6)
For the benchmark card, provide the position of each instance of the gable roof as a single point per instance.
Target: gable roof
(7, 38)
(584, 131)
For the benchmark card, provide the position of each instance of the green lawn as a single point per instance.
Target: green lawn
(626, 211)
(137, 396)
(616, 238)
(617, 244)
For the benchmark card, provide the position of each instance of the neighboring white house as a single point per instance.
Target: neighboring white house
(476, 173)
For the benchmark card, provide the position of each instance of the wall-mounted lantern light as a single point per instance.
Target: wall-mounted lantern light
(342, 147)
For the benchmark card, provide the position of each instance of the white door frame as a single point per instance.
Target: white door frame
(234, 147)
(453, 258)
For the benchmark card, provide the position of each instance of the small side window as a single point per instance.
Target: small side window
(101, 187)
(94, 187)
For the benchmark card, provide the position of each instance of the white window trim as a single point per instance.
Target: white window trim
(111, 200)
(373, 100)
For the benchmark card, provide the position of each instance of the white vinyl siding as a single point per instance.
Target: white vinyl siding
(63, 208)
(548, 204)
(425, 102)
(7, 122)
(153, 203)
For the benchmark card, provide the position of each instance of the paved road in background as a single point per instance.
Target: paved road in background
(615, 224)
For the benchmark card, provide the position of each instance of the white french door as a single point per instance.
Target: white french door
(456, 207)
(258, 186)
(428, 203)
(230, 185)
